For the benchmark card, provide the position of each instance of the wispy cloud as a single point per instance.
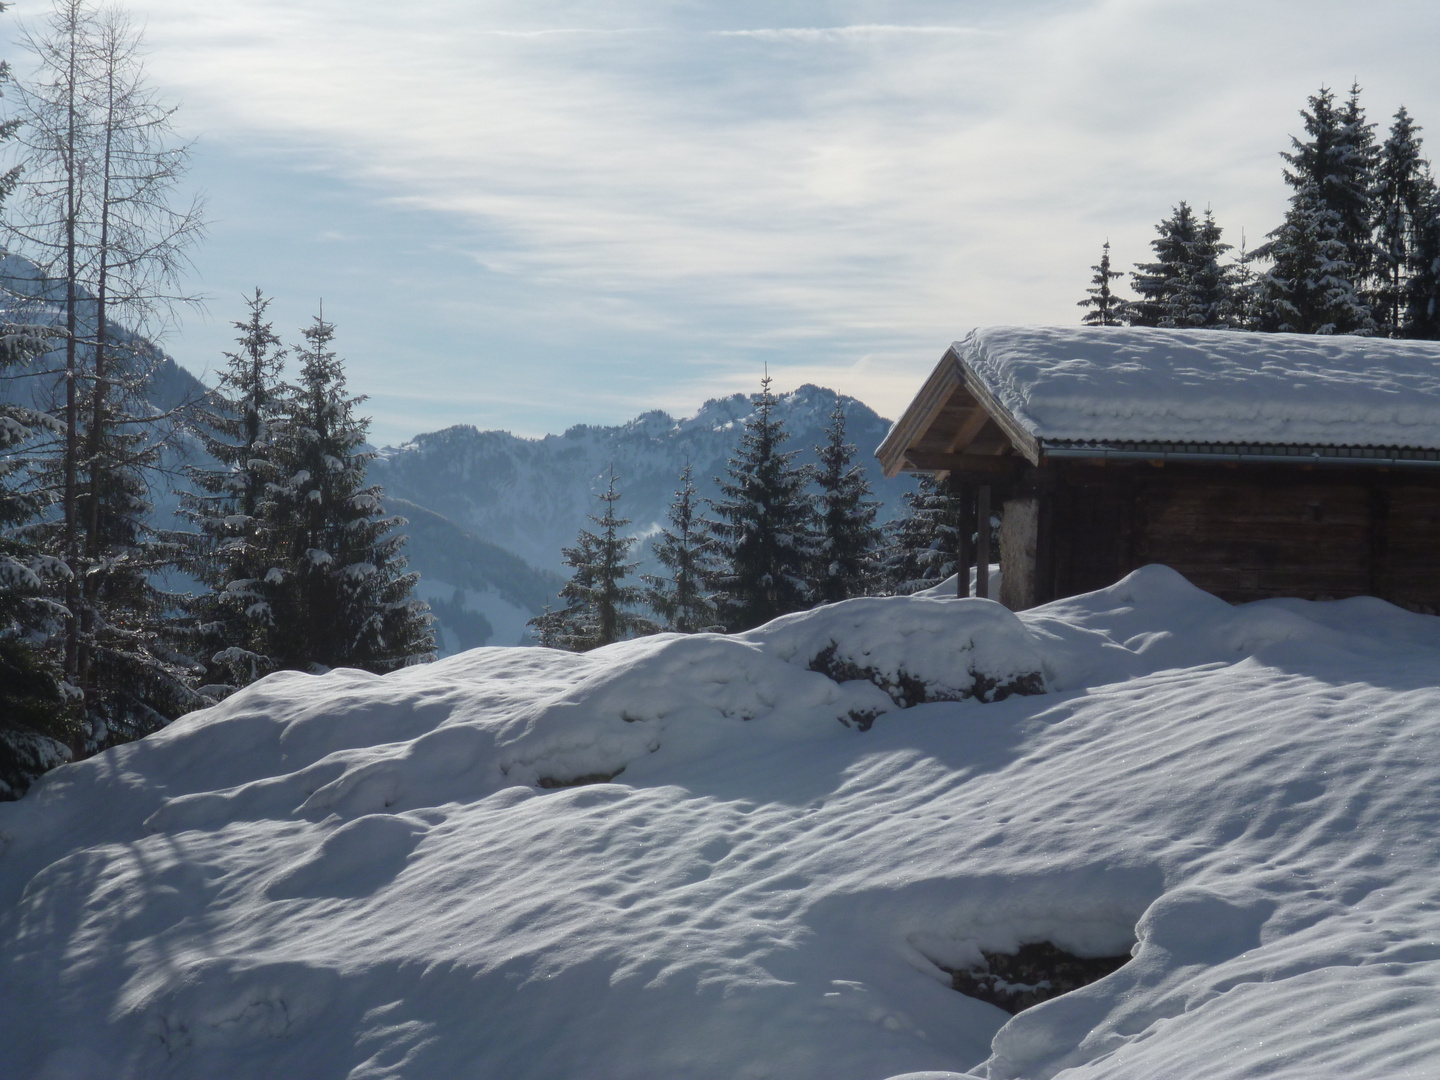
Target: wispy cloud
(682, 190)
(865, 32)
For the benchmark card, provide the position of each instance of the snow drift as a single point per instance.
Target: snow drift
(354, 876)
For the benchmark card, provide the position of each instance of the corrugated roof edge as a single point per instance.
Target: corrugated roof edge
(1276, 453)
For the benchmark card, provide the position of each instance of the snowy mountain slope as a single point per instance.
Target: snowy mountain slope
(355, 876)
(480, 593)
(532, 495)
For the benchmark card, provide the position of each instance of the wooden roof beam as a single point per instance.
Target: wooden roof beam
(970, 464)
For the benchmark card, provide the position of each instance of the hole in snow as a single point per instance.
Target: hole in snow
(580, 781)
(1034, 973)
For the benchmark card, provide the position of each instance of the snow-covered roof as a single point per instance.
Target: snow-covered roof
(1134, 385)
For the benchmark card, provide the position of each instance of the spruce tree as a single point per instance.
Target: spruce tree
(1326, 242)
(1352, 190)
(574, 627)
(678, 597)
(1248, 302)
(36, 728)
(1397, 191)
(231, 553)
(1405, 233)
(922, 544)
(598, 604)
(847, 538)
(1156, 282)
(761, 526)
(1309, 288)
(337, 591)
(1203, 293)
(1103, 307)
(1422, 291)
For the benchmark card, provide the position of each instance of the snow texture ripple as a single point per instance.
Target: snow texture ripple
(354, 876)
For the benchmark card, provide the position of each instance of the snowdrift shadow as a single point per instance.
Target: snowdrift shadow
(969, 737)
(356, 860)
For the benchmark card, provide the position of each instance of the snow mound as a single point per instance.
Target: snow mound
(354, 876)
(917, 649)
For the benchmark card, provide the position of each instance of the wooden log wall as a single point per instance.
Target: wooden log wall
(1245, 532)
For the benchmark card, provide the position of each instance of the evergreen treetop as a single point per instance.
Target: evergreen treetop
(1203, 292)
(761, 525)
(337, 589)
(1309, 288)
(231, 552)
(1331, 173)
(678, 597)
(847, 537)
(923, 542)
(1404, 207)
(598, 604)
(1103, 307)
(1156, 282)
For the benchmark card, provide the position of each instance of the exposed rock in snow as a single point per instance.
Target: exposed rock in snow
(349, 875)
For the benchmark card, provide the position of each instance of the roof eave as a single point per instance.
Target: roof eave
(950, 375)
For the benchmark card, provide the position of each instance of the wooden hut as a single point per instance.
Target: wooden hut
(1257, 465)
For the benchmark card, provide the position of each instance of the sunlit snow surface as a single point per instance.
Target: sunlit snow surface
(1136, 384)
(351, 876)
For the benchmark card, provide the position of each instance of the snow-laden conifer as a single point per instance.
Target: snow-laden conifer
(1422, 290)
(1309, 288)
(1103, 307)
(1406, 235)
(337, 590)
(132, 670)
(36, 727)
(599, 606)
(1324, 251)
(677, 596)
(102, 220)
(922, 543)
(1203, 293)
(35, 724)
(1155, 282)
(232, 550)
(1398, 178)
(847, 538)
(762, 525)
(1350, 189)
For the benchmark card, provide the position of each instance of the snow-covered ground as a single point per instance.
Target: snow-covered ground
(352, 876)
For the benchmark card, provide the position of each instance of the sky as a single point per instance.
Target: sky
(528, 215)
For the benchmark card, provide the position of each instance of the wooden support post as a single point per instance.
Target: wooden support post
(964, 549)
(982, 541)
(1045, 549)
(1378, 580)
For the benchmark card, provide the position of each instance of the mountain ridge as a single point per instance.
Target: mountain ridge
(532, 495)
